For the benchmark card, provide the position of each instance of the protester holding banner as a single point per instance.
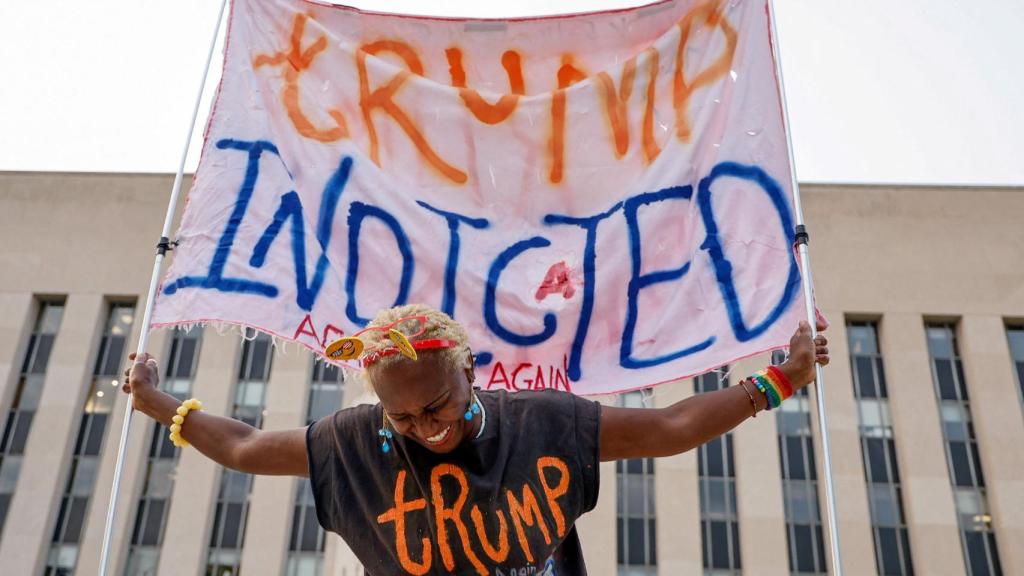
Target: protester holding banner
(604, 201)
(430, 479)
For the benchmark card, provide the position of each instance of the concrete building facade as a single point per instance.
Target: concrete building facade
(924, 287)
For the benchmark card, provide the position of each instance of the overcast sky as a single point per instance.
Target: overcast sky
(886, 91)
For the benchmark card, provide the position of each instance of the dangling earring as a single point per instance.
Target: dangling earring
(473, 408)
(386, 435)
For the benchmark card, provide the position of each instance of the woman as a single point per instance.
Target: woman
(442, 478)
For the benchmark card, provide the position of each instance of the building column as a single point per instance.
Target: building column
(597, 528)
(188, 523)
(16, 317)
(45, 465)
(273, 497)
(759, 501)
(996, 414)
(677, 498)
(853, 513)
(131, 481)
(920, 453)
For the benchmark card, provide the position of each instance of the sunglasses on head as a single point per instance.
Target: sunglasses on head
(401, 335)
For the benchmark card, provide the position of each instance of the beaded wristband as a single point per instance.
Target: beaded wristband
(179, 418)
(774, 385)
(769, 394)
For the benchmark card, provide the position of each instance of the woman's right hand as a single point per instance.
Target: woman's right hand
(228, 442)
(141, 380)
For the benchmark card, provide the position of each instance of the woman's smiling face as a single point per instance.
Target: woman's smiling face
(426, 399)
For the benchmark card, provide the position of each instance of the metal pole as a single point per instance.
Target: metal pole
(154, 283)
(805, 271)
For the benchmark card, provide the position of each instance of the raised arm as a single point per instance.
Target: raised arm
(228, 442)
(650, 433)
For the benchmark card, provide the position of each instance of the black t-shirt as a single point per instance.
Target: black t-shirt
(501, 504)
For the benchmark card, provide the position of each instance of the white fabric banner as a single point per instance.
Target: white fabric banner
(603, 199)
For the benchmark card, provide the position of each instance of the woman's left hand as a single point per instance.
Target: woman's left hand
(655, 432)
(804, 353)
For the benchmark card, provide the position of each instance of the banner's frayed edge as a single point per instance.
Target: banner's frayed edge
(350, 374)
(250, 333)
(245, 332)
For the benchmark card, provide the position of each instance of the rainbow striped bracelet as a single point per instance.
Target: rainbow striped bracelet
(773, 384)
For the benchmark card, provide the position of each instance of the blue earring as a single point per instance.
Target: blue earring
(473, 409)
(386, 434)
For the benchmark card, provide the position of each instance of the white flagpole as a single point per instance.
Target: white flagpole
(162, 247)
(805, 271)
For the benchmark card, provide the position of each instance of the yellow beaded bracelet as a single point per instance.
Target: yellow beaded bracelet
(179, 418)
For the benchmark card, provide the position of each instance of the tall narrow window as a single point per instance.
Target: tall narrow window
(162, 460)
(878, 448)
(720, 532)
(637, 552)
(979, 541)
(26, 399)
(99, 401)
(232, 510)
(306, 545)
(1016, 336)
(804, 534)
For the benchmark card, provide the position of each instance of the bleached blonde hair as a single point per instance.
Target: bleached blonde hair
(439, 325)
